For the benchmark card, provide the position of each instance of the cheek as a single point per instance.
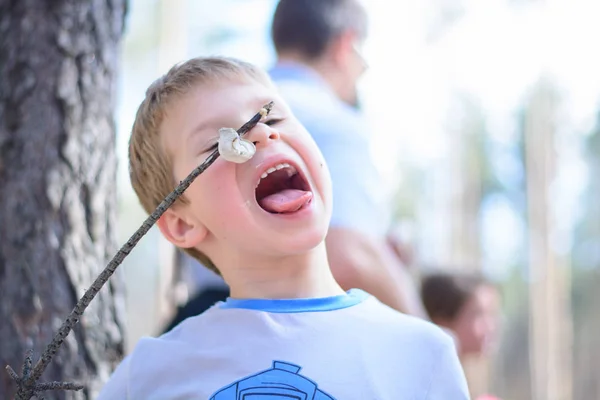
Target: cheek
(315, 163)
(467, 328)
(217, 202)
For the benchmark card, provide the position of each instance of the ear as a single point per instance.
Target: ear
(180, 230)
(342, 47)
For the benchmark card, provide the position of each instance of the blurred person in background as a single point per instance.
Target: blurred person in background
(467, 306)
(319, 63)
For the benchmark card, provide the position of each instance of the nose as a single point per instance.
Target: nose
(261, 135)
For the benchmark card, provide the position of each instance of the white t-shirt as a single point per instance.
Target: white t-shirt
(347, 347)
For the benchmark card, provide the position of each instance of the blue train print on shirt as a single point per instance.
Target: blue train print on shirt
(282, 382)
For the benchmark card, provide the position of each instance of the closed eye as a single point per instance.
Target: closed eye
(211, 148)
(273, 121)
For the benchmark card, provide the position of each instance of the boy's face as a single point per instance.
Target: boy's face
(234, 210)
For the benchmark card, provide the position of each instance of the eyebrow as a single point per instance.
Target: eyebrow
(201, 127)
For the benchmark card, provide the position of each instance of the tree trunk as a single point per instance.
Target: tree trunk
(58, 62)
(469, 165)
(469, 160)
(550, 317)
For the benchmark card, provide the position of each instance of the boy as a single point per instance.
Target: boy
(288, 331)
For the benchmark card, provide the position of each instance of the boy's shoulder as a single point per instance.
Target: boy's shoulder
(404, 328)
(154, 358)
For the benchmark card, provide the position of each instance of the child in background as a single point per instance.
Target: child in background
(288, 330)
(466, 305)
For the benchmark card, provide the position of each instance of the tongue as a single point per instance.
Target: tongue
(285, 201)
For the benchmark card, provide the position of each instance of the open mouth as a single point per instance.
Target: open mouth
(282, 190)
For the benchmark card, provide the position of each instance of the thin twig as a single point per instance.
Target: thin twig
(28, 385)
(27, 363)
(13, 374)
(57, 386)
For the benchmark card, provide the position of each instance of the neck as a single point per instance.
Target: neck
(301, 276)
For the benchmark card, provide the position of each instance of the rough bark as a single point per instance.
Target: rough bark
(58, 62)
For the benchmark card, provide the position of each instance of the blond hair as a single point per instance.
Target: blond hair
(150, 167)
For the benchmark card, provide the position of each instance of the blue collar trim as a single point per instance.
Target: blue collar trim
(351, 298)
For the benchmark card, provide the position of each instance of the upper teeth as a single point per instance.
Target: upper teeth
(273, 169)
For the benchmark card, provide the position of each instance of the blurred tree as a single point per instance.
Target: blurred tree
(550, 308)
(472, 181)
(513, 373)
(58, 64)
(586, 279)
(587, 234)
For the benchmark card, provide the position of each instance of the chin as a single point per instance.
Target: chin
(304, 241)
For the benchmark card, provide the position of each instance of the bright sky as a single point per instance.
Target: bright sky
(494, 52)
